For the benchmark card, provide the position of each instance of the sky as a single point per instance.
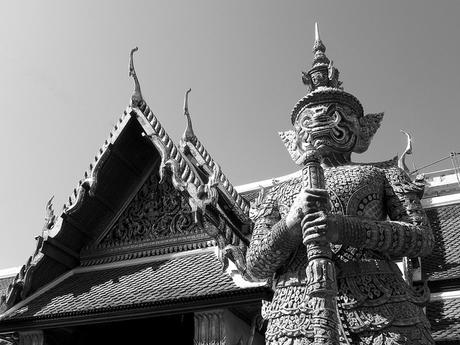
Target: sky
(64, 83)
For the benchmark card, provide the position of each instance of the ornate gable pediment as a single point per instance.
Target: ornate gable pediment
(158, 220)
(158, 211)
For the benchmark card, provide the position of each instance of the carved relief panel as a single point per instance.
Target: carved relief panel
(158, 211)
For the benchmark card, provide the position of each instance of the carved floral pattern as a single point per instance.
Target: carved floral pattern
(157, 211)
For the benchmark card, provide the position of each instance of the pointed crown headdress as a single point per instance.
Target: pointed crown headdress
(323, 86)
(322, 83)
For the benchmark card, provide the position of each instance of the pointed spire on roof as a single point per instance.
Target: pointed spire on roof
(136, 98)
(188, 134)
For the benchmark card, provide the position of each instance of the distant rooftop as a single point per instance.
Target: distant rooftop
(442, 187)
(9, 272)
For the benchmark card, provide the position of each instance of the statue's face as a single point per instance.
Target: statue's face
(328, 127)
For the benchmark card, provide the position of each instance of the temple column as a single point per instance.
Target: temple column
(209, 328)
(222, 327)
(31, 338)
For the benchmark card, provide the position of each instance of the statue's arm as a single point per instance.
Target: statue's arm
(271, 242)
(407, 233)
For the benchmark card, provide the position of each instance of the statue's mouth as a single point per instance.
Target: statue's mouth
(327, 131)
(334, 136)
(330, 126)
(332, 131)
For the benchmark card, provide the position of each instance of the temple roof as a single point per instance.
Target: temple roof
(444, 261)
(444, 316)
(4, 284)
(156, 285)
(7, 278)
(137, 149)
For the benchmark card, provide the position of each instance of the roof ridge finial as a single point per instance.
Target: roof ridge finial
(136, 98)
(407, 151)
(188, 134)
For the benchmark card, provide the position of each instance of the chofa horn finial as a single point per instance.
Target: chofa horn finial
(407, 151)
(188, 134)
(136, 98)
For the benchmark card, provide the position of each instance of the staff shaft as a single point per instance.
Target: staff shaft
(320, 272)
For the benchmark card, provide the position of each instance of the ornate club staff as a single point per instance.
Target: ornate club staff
(320, 272)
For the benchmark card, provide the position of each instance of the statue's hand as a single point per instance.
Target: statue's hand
(308, 201)
(320, 227)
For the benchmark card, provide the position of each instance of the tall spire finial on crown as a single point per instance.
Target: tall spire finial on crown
(319, 49)
(323, 86)
(322, 73)
(317, 38)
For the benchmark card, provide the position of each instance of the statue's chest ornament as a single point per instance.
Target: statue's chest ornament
(356, 191)
(366, 202)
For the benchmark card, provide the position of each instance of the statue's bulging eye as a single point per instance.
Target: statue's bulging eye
(336, 117)
(306, 118)
(306, 121)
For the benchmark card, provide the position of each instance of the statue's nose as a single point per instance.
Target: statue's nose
(322, 117)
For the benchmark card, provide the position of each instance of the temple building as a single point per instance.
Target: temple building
(152, 244)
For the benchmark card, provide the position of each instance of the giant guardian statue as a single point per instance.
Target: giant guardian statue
(329, 238)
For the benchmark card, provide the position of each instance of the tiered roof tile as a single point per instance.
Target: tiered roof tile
(108, 288)
(444, 261)
(444, 316)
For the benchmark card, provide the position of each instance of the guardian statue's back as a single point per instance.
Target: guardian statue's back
(330, 238)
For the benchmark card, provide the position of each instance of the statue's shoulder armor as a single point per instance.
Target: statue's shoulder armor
(277, 196)
(388, 164)
(399, 180)
(288, 187)
(393, 173)
(266, 203)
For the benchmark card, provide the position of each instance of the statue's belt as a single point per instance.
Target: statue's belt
(344, 270)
